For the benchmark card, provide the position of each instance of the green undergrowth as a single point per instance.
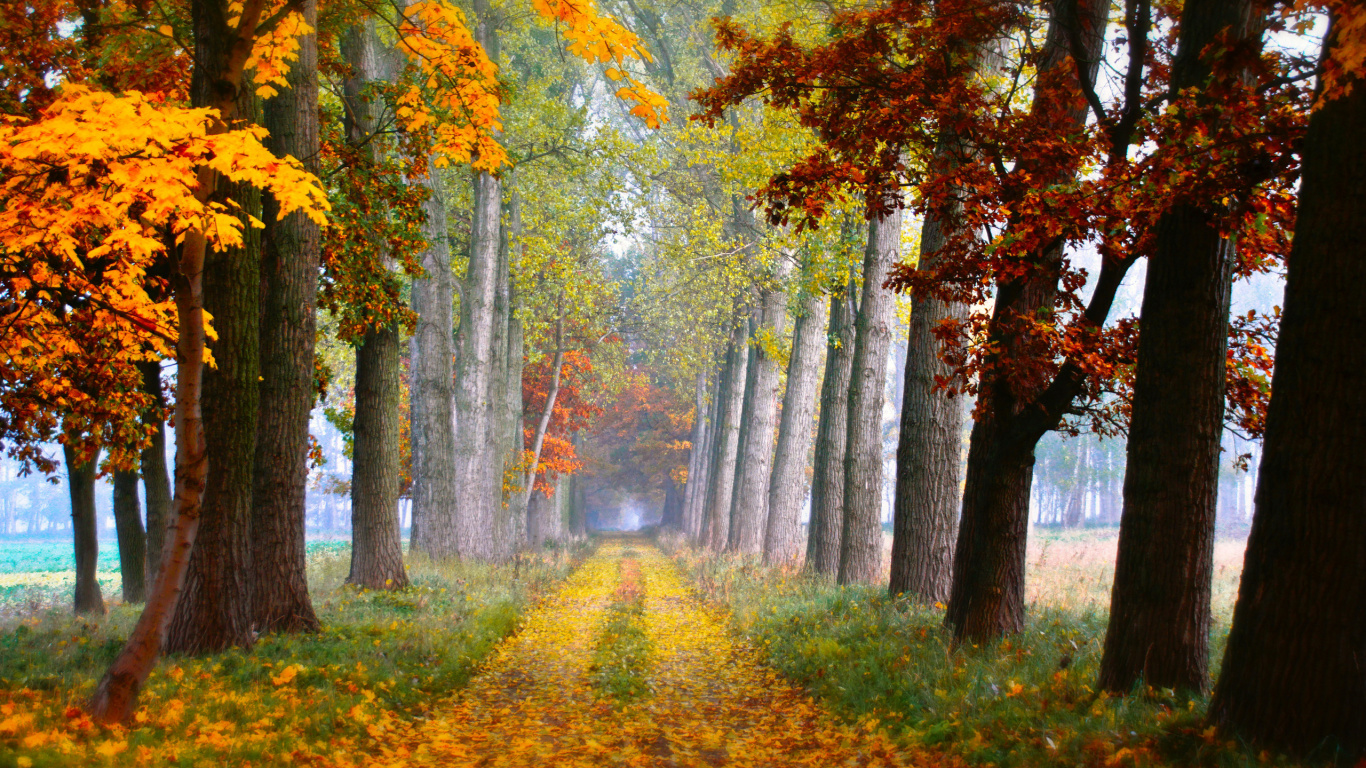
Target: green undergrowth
(1027, 700)
(398, 652)
(621, 653)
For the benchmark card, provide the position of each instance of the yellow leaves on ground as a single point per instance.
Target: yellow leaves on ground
(286, 675)
(712, 702)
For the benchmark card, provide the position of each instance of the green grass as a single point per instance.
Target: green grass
(397, 652)
(621, 652)
(1024, 701)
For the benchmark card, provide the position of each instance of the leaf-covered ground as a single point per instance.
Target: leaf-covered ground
(709, 701)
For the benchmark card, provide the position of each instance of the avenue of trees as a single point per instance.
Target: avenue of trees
(534, 256)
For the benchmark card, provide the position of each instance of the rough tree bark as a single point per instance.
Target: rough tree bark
(432, 387)
(214, 612)
(376, 542)
(749, 507)
(376, 545)
(986, 598)
(1292, 674)
(929, 448)
(1160, 602)
(721, 484)
(861, 539)
(155, 484)
(787, 484)
(132, 539)
(508, 415)
(826, 527)
(289, 288)
(80, 483)
(220, 55)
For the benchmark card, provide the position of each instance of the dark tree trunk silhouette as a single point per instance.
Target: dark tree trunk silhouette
(861, 540)
(787, 484)
(698, 440)
(80, 480)
(1292, 674)
(929, 448)
(289, 287)
(826, 526)
(132, 539)
(695, 514)
(1160, 603)
(986, 598)
(214, 611)
(155, 483)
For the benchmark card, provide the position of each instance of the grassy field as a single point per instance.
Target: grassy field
(1027, 700)
(382, 658)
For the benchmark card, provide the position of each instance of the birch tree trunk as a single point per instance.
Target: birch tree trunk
(787, 484)
(289, 288)
(826, 528)
(861, 540)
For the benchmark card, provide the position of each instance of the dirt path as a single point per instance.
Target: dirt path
(712, 703)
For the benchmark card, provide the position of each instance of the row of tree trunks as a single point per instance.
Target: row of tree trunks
(826, 527)
(787, 485)
(861, 539)
(508, 403)
(1160, 604)
(1292, 673)
(694, 515)
(929, 447)
(220, 57)
(289, 287)
(215, 609)
(721, 480)
(986, 598)
(754, 463)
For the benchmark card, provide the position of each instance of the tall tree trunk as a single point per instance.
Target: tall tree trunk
(547, 411)
(749, 517)
(289, 288)
(721, 484)
(929, 447)
(1160, 602)
(376, 545)
(578, 500)
(986, 598)
(509, 414)
(80, 480)
(861, 539)
(214, 612)
(695, 515)
(787, 484)
(1292, 674)
(132, 539)
(155, 484)
(220, 57)
(431, 388)
(672, 514)
(475, 521)
(695, 442)
(826, 528)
